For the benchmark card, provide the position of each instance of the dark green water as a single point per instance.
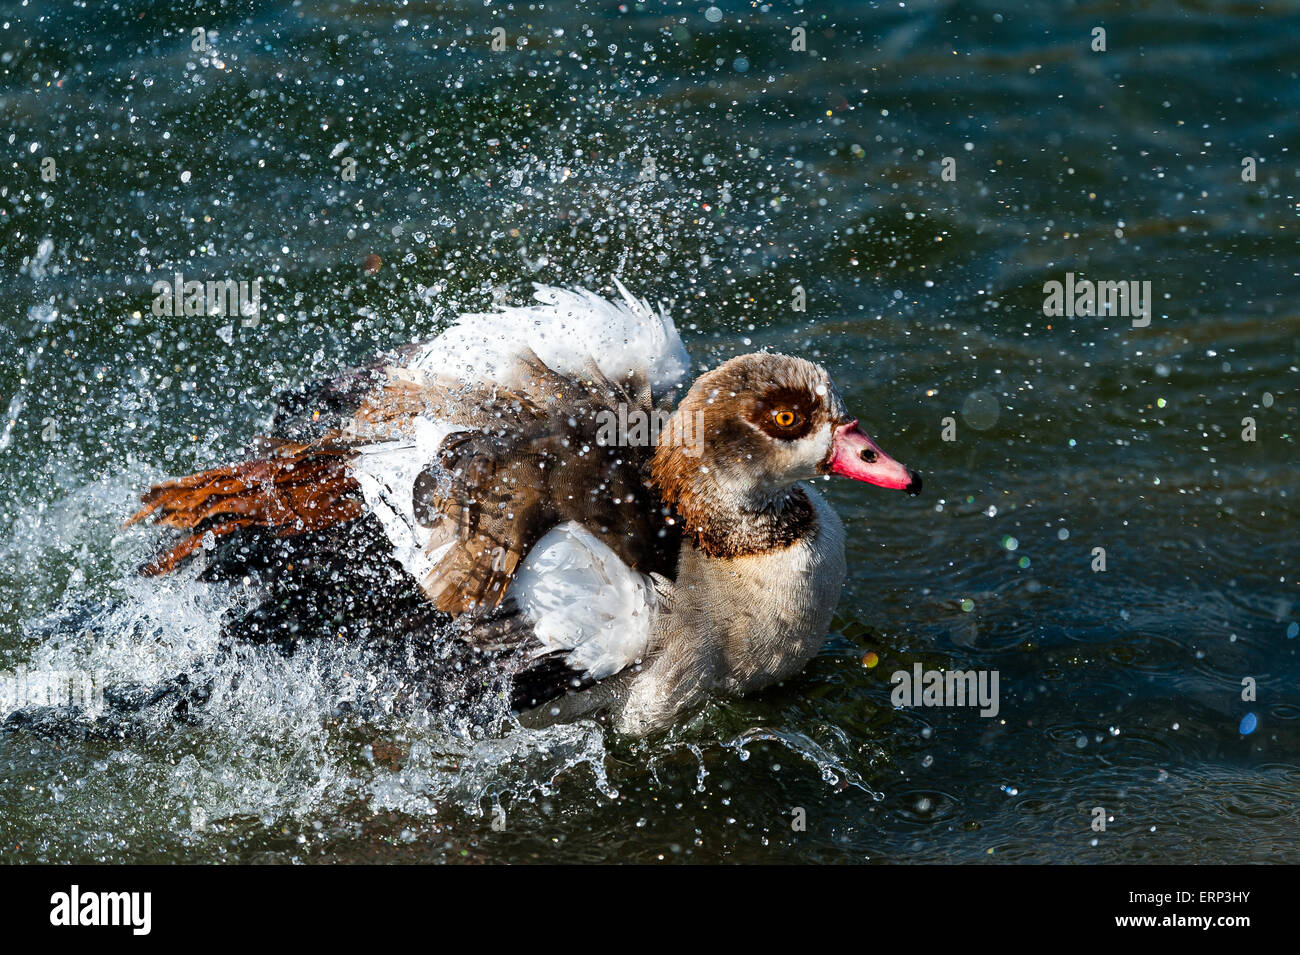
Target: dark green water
(480, 171)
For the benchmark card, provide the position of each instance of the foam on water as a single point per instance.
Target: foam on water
(272, 734)
(246, 734)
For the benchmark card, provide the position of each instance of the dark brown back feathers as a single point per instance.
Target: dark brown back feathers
(536, 463)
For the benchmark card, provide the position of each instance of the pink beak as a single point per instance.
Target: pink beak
(855, 455)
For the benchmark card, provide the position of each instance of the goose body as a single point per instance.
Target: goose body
(505, 486)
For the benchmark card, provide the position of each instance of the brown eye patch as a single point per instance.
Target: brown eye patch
(785, 413)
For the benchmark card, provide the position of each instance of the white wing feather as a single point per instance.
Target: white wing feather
(564, 330)
(580, 597)
(386, 473)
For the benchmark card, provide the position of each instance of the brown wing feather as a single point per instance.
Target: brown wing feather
(295, 488)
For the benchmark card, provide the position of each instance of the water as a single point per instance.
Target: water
(690, 151)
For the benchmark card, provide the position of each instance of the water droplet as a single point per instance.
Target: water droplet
(980, 410)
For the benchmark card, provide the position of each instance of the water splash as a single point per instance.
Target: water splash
(831, 768)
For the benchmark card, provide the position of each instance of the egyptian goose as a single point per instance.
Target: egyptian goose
(501, 491)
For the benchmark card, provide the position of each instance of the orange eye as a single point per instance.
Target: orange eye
(785, 419)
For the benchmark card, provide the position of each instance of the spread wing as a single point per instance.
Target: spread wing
(455, 456)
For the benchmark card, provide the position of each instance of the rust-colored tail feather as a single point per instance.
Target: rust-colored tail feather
(295, 488)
